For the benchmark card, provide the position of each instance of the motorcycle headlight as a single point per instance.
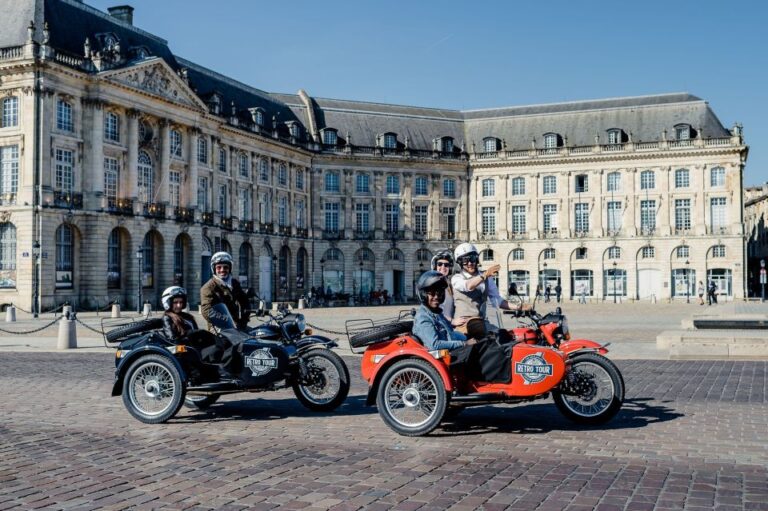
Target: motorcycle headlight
(301, 322)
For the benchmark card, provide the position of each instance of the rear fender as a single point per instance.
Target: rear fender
(571, 348)
(398, 355)
(314, 341)
(127, 361)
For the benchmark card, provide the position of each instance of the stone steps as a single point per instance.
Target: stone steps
(714, 343)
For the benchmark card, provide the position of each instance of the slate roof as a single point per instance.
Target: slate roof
(645, 117)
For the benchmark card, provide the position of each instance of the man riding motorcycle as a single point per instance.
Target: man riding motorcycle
(222, 288)
(473, 290)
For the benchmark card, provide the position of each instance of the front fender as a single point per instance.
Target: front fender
(314, 341)
(401, 354)
(570, 348)
(126, 362)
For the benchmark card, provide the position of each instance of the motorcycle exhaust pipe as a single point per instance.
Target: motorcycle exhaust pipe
(487, 399)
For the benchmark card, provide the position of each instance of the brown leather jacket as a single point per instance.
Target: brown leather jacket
(234, 299)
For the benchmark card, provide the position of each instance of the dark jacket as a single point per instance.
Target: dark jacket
(172, 331)
(235, 299)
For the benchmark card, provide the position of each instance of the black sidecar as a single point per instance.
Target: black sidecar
(156, 375)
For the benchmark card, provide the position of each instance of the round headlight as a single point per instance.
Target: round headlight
(300, 322)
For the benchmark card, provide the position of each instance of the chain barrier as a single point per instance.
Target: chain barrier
(55, 309)
(34, 331)
(332, 332)
(88, 326)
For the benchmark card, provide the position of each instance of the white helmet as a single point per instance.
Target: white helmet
(463, 250)
(219, 258)
(171, 293)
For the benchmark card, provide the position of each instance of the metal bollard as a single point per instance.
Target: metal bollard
(10, 314)
(147, 310)
(115, 310)
(67, 334)
(302, 303)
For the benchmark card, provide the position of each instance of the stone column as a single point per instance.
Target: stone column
(565, 208)
(667, 204)
(597, 207)
(504, 222)
(434, 228)
(92, 181)
(315, 217)
(214, 186)
(407, 205)
(378, 188)
(347, 203)
(190, 201)
(161, 196)
(472, 205)
(534, 208)
(699, 221)
(629, 219)
(129, 182)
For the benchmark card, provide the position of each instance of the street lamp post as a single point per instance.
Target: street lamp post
(274, 278)
(543, 276)
(361, 280)
(322, 275)
(687, 283)
(613, 276)
(139, 258)
(35, 278)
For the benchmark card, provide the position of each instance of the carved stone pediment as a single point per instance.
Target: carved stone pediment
(155, 77)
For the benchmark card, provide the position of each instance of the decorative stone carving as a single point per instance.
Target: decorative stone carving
(155, 77)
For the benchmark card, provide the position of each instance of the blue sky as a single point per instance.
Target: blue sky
(466, 55)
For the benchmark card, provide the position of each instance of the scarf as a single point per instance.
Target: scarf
(227, 281)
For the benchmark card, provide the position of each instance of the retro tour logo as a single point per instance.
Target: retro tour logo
(260, 362)
(533, 368)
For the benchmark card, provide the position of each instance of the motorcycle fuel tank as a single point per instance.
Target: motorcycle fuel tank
(266, 332)
(263, 363)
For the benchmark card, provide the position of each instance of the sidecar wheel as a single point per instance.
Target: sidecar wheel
(412, 398)
(601, 400)
(328, 382)
(200, 402)
(153, 391)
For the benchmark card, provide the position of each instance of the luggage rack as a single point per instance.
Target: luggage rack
(364, 332)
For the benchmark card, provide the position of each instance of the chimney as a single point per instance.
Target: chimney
(122, 12)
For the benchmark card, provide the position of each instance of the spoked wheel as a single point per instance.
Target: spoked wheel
(412, 397)
(200, 402)
(592, 392)
(326, 384)
(153, 390)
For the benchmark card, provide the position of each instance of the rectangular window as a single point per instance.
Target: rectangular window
(264, 170)
(518, 186)
(112, 127)
(489, 187)
(390, 141)
(244, 165)
(222, 160)
(245, 204)
(717, 176)
(518, 219)
(10, 112)
(282, 211)
(174, 189)
(420, 219)
(9, 170)
(392, 217)
(202, 150)
(582, 183)
(647, 180)
(488, 215)
(581, 217)
(329, 137)
(449, 216)
(614, 182)
(682, 214)
(332, 216)
(393, 185)
(718, 216)
(300, 214)
(362, 217)
(362, 184)
(614, 217)
(202, 194)
(647, 216)
(64, 120)
(682, 178)
(449, 189)
(175, 143)
(421, 186)
(332, 182)
(223, 202)
(550, 217)
(648, 253)
(111, 180)
(549, 185)
(64, 170)
(718, 251)
(300, 179)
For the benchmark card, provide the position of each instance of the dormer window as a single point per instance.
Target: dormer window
(390, 141)
(294, 129)
(257, 116)
(615, 136)
(214, 103)
(552, 141)
(446, 144)
(683, 132)
(330, 136)
(490, 144)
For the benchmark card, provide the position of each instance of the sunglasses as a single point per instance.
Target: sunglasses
(447, 265)
(471, 259)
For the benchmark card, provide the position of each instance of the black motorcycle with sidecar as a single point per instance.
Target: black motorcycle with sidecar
(156, 375)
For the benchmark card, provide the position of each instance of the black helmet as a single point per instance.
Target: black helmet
(443, 255)
(429, 279)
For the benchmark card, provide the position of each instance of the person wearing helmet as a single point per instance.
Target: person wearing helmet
(429, 324)
(473, 289)
(176, 323)
(222, 288)
(442, 262)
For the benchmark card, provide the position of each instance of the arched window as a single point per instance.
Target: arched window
(114, 263)
(549, 253)
(244, 264)
(490, 144)
(614, 252)
(301, 266)
(487, 255)
(64, 257)
(283, 263)
(551, 140)
(7, 255)
(390, 141)
(423, 255)
(518, 254)
(366, 254)
(330, 136)
(394, 254)
(148, 260)
(226, 247)
(333, 254)
(146, 178)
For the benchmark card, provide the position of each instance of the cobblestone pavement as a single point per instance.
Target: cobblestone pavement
(692, 435)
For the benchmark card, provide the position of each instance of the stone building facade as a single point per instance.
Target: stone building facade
(756, 228)
(124, 167)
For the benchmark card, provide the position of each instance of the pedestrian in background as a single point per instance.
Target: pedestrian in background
(558, 291)
(700, 292)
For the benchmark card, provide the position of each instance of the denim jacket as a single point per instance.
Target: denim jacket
(435, 331)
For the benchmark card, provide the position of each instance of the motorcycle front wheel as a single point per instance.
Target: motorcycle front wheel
(597, 391)
(326, 382)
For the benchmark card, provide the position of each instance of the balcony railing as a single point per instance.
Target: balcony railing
(227, 222)
(518, 235)
(247, 226)
(647, 231)
(154, 210)
(183, 214)
(364, 235)
(333, 235)
(718, 229)
(284, 230)
(120, 206)
(394, 235)
(683, 231)
(302, 232)
(417, 235)
(207, 218)
(488, 236)
(398, 152)
(447, 235)
(265, 228)
(613, 232)
(581, 233)
(68, 200)
(550, 234)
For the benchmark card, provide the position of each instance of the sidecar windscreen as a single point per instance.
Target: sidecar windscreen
(220, 317)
